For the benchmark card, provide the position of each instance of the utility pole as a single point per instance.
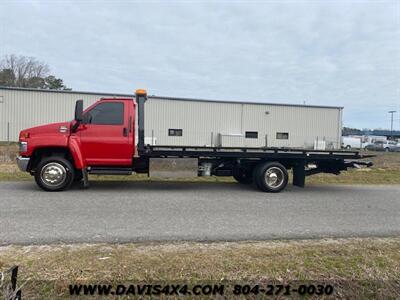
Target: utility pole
(391, 123)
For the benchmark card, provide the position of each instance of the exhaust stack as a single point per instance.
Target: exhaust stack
(141, 97)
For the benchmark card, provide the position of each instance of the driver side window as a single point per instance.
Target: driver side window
(107, 113)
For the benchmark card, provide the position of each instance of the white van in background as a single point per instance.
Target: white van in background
(351, 142)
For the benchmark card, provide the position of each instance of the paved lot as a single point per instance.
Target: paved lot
(138, 211)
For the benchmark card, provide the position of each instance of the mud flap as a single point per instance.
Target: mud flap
(85, 178)
(299, 174)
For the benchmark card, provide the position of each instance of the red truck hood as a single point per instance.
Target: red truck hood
(53, 128)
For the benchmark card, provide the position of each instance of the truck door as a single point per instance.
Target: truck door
(106, 137)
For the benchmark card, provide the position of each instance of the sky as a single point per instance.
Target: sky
(340, 53)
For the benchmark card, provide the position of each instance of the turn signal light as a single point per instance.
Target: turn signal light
(26, 135)
(63, 129)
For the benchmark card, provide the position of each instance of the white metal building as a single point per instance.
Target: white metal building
(192, 122)
(24, 108)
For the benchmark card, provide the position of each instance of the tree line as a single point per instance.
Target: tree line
(28, 72)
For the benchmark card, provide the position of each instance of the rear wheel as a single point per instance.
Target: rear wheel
(270, 177)
(242, 176)
(348, 147)
(54, 174)
(387, 149)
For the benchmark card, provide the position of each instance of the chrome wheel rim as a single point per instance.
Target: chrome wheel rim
(274, 177)
(53, 174)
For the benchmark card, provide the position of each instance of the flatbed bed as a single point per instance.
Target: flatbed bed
(226, 161)
(246, 152)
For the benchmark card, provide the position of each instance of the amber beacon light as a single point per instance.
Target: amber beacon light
(141, 92)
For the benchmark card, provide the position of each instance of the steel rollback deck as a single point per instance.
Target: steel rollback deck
(238, 152)
(299, 160)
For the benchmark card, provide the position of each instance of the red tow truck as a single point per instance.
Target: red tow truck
(101, 140)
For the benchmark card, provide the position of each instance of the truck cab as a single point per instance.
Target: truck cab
(102, 136)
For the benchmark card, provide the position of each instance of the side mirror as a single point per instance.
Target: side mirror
(78, 110)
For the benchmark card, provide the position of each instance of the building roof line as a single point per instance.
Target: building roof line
(63, 91)
(166, 98)
(243, 102)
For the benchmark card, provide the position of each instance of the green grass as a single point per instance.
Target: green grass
(356, 267)
(20, 176)
(362, 176)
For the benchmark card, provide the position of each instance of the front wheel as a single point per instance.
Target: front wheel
(270, 177)
(54, 174)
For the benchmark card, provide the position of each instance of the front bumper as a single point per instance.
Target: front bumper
(22, 163)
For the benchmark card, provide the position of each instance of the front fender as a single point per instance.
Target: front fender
(44, 141)
(75, 149)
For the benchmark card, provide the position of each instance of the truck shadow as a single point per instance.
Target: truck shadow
(163, 185)
(176, 186)
(200, 186)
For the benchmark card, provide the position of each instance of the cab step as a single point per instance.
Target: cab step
(109, 171)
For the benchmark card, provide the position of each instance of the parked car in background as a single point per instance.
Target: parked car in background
(370, 139)
(396, 148)
(361, 141)
(387, 146)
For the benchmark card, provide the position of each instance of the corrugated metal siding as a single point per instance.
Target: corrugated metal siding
(202, 122)
(24, 109)
(304, 126)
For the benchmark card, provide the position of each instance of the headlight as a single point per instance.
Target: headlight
(23, 146)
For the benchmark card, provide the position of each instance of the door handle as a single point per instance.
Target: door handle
(125, 131)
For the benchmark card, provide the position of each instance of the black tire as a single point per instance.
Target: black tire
(348, 147)
(242, 176)
(55, 164)
(387, 149)
(259, 176)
